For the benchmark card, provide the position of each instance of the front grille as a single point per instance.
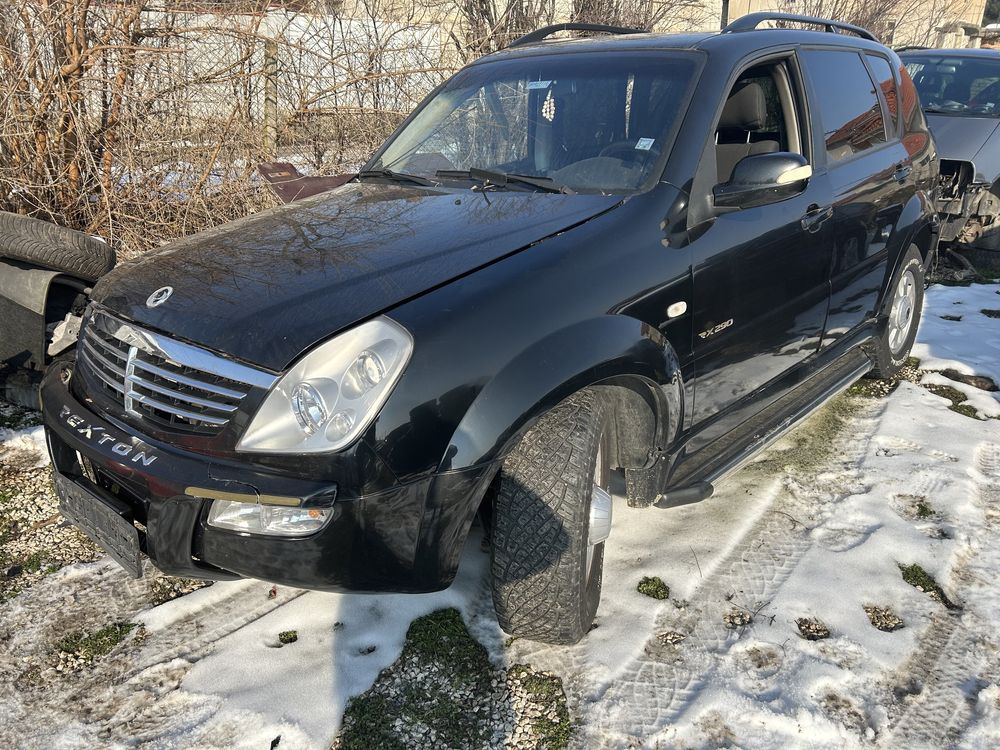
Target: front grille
(171, 384)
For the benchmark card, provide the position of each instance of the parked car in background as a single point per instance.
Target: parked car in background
(960, 93)
(647, 252)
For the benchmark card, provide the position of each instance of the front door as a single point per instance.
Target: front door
(761, 275)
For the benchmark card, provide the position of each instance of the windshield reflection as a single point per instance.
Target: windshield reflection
(579, 123)
(956, 85)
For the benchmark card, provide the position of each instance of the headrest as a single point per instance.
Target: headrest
(746, 108)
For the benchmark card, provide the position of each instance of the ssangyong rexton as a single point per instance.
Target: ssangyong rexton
(629, 251)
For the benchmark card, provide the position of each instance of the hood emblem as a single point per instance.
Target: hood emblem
(160, 296)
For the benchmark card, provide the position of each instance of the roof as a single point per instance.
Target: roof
(958, 52)
(742, 41)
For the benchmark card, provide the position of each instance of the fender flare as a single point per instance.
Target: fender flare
(920, 218)
(630, 357)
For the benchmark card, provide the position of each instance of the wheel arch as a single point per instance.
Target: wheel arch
(630, 361)
(921, 226)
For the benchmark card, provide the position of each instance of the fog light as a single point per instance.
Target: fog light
(271, 520)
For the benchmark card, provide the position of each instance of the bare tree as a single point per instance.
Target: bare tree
(643, 14)
(489, 25)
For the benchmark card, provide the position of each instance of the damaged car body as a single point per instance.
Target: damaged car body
(638, 252)
(960, 93)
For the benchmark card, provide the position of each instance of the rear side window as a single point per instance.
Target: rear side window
(885, 81)
(849, 109)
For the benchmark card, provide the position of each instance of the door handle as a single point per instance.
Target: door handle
(815, 216)
(903, 170)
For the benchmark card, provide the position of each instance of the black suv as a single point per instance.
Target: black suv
(630, 251)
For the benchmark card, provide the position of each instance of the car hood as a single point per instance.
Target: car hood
(968, 139)
(265, 288)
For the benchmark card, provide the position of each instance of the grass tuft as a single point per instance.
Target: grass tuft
(287, 636)
(921, 580)
(444, 693)
(654, 587)
(922, 509)
(95, 645)
(554, 732)
(956, 397)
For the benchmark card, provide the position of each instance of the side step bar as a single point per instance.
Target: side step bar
(703, 490)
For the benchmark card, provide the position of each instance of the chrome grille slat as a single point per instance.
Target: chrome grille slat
(92, 352)
(104, 377)
(184, 380)
(193, 416)
(106, 347)
(193, 400)
(172, 384)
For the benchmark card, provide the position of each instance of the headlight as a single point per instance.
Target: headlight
(270, 520)
(333, 393)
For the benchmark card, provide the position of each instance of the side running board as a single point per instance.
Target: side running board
(702, 490)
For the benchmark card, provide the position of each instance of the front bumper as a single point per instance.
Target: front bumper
(406, 538)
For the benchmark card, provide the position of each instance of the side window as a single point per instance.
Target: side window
(755, 118)
(885, 81)
(849, 109)
(909, 102)
(915, 138)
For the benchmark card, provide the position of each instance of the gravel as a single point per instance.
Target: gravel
(812, 629)
(34, 539)
(883, 618)
(443, 692)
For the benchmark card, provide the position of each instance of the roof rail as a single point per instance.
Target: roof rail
(910, 47)
(750, 22)
(540, 34)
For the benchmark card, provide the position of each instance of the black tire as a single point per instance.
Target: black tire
(546, 587)
(893, 344)
(56, 248)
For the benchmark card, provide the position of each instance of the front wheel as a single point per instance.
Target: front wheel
(899, 328)
(550, 523)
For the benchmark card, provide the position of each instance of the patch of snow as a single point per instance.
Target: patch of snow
(344, 642)
(26, 445)
(910, 482)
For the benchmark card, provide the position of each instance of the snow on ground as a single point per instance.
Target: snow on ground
(24, 447)
(817, 527)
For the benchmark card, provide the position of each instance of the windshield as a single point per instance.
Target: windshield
(587, 123)
(956, 85)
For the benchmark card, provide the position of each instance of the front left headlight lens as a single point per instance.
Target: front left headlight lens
(328, 398)
(269, 520)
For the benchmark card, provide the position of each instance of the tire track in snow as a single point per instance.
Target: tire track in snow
(950, 661)
(654, 690)
(130, 696)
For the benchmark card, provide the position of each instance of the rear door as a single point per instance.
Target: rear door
(859, 147)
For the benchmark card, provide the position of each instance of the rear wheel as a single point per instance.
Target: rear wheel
(899, 329)
(550, 523)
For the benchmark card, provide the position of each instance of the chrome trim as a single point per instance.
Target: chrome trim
(107, 342)
(170, 408)
(101, 359)
(243, 497)
(151, 386)
(182, 354)
(185, 380)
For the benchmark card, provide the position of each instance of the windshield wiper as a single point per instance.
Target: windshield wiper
(489, 178)
(397, 176)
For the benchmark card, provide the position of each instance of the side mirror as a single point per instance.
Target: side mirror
(763, 178)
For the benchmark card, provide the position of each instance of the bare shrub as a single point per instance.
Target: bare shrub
(144, 120)
(144, 123)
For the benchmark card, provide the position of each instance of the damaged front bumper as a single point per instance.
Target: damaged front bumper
(406, 537)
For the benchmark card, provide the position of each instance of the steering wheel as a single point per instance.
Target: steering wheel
(628, 150)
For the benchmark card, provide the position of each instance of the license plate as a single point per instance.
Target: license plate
(99, 520)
